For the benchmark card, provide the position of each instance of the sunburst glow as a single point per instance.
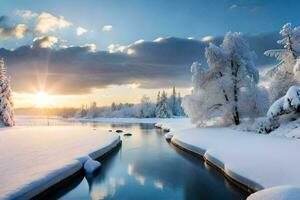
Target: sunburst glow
(42, 99)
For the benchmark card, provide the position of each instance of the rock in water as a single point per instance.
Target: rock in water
(127, 134)
(91, 165)
(119, 131)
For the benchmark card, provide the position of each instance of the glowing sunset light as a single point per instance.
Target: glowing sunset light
(42, 99)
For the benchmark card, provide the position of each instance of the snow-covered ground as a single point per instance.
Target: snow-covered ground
(277, 193)
(258, 161)
(35, 158)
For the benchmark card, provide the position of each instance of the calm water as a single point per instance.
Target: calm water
(147, 167)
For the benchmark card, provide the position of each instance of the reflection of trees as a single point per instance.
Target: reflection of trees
(188, 172)
(65, 187)
(120, 126)
(146, 126)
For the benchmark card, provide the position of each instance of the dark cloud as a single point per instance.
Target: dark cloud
(2, 19)
(78, 69)
(11, 31)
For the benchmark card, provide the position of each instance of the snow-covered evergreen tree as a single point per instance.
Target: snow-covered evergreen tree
(6, 101)
(287, 105)
(175, 103)
(220, 88)
(162, 109)
(286, 72)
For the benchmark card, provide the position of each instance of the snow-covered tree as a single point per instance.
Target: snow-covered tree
(288, 104)
(82, 112)
(286, 72)
(219, 90)
(175, 103)
(6, 101)
(147, 109)
(162, 109)
(92, 111)
(198, 75)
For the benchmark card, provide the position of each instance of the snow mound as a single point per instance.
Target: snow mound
(91, 165)
(169, 136)
(83, 159)
(277, 193)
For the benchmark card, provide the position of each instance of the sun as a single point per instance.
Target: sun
(42, 99)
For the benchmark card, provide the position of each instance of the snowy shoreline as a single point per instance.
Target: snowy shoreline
(230, 151)
(27, 163)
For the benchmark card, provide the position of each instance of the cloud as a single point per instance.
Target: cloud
(26, 14)
(233, 6)
(158, 39)
(81, 31)
(19, 31)
(113, 48)
(148, 64)
(44, 42)
(91, 47)
(207, 38)
(139, 41)
(2, 19)
(47, 22)
(107, 28)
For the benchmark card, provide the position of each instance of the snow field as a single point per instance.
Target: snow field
(36, 158)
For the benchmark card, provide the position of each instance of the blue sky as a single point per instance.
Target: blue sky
(119, 50)
(141, 19)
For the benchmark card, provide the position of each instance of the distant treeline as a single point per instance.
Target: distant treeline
(164, 107)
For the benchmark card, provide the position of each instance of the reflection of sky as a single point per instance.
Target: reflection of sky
(109, 187)
(146, 167)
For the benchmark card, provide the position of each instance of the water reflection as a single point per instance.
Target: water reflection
(147, 167)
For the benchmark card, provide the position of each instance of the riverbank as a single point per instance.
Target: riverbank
(253, 161)
(34, 159)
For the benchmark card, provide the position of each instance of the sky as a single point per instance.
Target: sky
(105, 51)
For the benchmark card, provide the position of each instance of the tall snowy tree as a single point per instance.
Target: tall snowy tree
(220, 89)
(162, 109)
(6, 101)
(175, 103)
(286, 72)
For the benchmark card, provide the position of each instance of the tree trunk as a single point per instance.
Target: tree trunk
(235, 69)
(224, 91)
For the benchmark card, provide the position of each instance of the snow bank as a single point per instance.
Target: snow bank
(174, 124)
(277, 193)
(254, 160)
(91, 165)
(36, 158)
